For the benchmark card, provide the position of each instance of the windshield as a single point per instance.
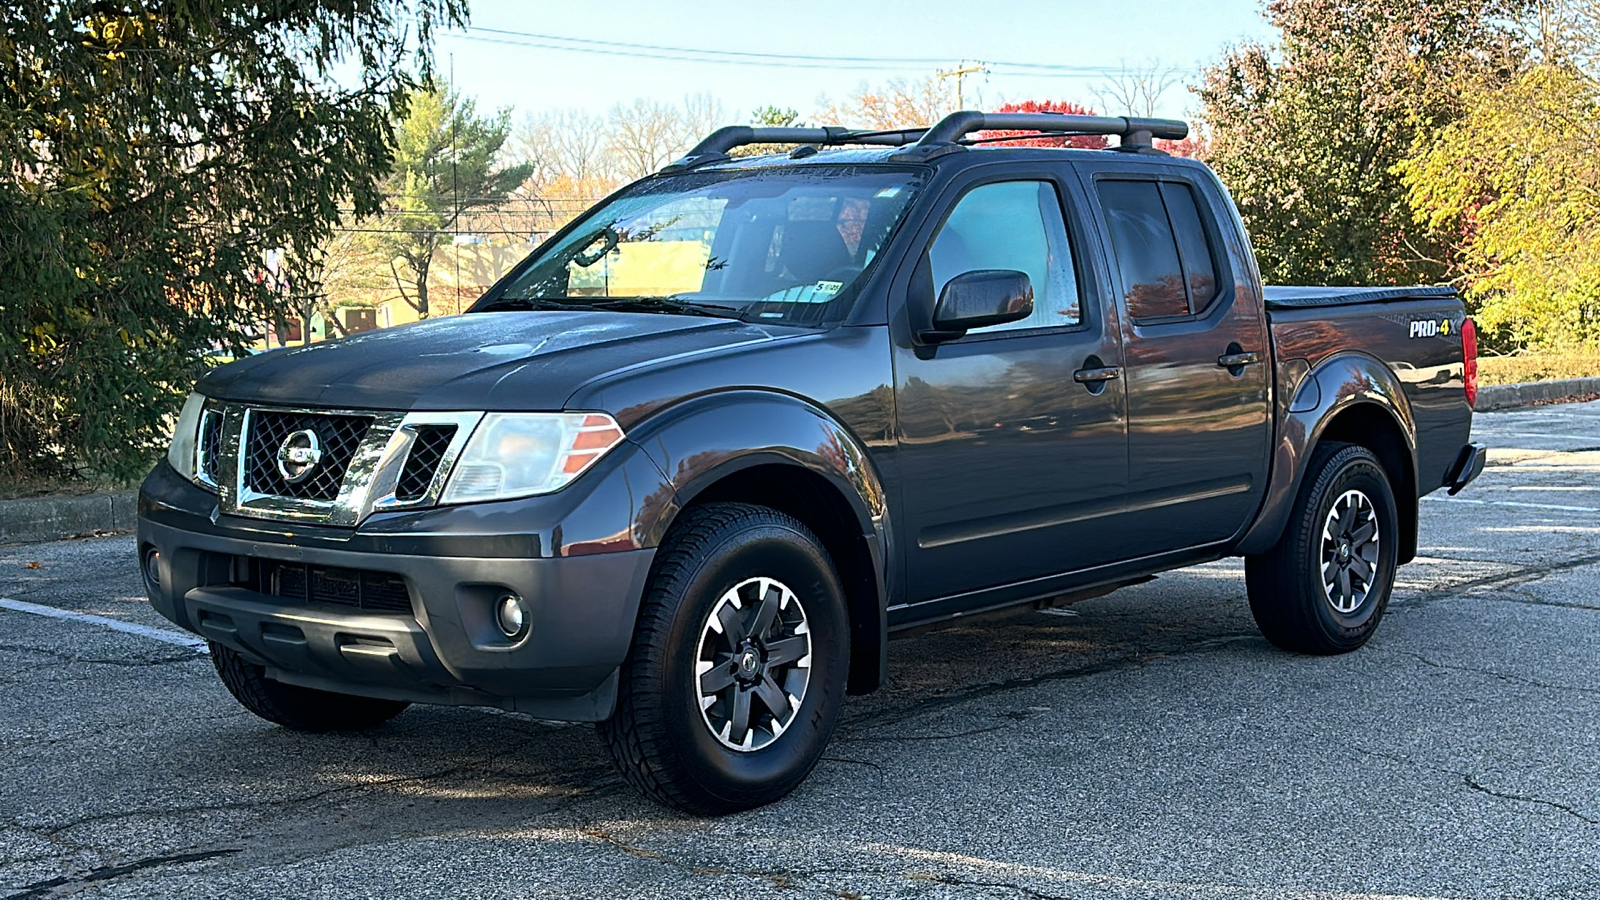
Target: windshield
(788, 246)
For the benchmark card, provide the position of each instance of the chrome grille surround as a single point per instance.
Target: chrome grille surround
(369, 480)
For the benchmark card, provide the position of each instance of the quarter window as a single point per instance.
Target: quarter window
(1163, 252)
(1013, 225)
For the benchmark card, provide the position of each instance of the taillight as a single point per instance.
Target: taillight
(1469, 353)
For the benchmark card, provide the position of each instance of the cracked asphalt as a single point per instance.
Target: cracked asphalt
(1147, 744)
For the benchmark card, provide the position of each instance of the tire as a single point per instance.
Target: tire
(1297, 595)
(299, 708)
(666, 737)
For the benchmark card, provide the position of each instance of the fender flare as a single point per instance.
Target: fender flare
(701, 441)
(1339, 383)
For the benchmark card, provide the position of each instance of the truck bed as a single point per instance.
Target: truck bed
(1298, 297)
(1414, 331)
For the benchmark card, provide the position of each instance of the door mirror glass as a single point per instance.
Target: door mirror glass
(983, 298)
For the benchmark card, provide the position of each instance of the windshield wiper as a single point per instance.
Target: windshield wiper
(670, 304)
(529, 303)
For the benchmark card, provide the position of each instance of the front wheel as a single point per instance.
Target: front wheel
(1324, 586)
(738, 667)
(292, 706)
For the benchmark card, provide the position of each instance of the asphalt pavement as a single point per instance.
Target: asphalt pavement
(1147, 744)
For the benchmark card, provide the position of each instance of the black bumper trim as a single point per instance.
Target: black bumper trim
(583, 611)
(1468, 466)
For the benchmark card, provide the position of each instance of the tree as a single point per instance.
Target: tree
(1307, 134)
(1518, 179)
(1063, 107)
(564, 144)
(644, 136)
(897, 104)
(1137, 90)
(445, 166)
(776, 117)
(152, 152)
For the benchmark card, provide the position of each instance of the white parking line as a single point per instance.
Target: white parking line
(1492, 433)
(165, 635)
(1553, 506)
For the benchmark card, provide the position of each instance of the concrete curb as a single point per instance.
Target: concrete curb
(32, 519)
(1508, 396)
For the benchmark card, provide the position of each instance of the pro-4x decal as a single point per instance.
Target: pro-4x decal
(1426, 328)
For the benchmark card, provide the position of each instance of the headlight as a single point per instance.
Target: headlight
(521, 454)
(185, 436)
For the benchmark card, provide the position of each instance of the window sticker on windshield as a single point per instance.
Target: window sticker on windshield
(829, 287)
(888, 192)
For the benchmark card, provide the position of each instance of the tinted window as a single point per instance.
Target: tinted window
(1012, 225)
(1200, 273)
(1147, 254)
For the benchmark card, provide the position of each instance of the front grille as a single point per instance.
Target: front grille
(363, 589)
(211, 444)
(427, 451)
(339, 437)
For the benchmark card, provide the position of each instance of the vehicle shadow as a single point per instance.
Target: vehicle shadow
(226, 780)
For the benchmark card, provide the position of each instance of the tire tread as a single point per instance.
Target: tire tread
(635, 733)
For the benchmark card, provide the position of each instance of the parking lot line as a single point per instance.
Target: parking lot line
(1553, 506)
(165, 635)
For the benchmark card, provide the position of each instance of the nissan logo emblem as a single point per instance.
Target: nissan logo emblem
(298, 455)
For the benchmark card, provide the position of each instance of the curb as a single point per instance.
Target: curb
(32, 519)
(1528, 393)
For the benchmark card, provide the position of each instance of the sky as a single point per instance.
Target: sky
(537, 56)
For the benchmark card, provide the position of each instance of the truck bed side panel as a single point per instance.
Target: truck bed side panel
(1418, 339)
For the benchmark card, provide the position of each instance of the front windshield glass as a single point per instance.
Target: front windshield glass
(787, 246)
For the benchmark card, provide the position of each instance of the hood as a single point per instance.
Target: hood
(513, 360)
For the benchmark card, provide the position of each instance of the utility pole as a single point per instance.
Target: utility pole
(960, 72)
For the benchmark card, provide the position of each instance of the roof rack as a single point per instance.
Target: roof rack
(716, 145)
(1136, 134)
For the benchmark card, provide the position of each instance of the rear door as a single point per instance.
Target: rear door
(1009, 463)
(1196, 350)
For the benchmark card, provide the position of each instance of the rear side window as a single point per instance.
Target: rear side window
(1014, 225)
(1200, 273)
(1163, 252)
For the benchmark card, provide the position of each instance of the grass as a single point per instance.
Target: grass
(1536, 367)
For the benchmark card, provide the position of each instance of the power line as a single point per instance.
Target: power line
(756, 58)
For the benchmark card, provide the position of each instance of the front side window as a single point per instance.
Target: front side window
(1013, 225)
(790, 245)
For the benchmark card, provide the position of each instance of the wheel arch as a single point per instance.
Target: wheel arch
(787, 454)
(1352, 398)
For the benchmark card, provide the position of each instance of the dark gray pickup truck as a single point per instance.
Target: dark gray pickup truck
(686, 469)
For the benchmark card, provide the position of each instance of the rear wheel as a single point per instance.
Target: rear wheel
(1324, 587)
(738, 667)
(299, 708)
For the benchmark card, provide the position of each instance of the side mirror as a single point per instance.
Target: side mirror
(979, 299)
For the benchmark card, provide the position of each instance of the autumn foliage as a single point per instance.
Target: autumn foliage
(1061, 107)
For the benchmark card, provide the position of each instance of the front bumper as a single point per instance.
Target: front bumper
(447, 649)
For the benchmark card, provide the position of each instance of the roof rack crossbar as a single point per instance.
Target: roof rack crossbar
(1136, 133)
(716, 145)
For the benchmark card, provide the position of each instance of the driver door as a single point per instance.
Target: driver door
(1011, 459)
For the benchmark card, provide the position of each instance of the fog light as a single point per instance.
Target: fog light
(152, 566)
(510, 615)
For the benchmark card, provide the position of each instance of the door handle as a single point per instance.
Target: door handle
(1237, 360)
(1094, 376)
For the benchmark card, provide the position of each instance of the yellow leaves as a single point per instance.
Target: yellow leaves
(1517, 176)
